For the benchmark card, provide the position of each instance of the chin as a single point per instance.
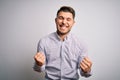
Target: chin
(62, 33)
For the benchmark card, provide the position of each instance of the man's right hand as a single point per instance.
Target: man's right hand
(39, 58)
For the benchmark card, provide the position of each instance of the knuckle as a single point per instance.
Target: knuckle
(86, 67)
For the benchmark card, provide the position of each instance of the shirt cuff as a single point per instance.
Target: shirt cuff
(39, 68)
(88, 74)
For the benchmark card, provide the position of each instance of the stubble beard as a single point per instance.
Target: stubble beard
(62, 33)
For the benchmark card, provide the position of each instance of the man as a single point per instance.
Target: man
(60, 54)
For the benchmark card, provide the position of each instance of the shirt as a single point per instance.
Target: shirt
(62, 57)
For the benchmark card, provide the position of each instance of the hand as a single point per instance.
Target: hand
(86, 65)
(39, 58)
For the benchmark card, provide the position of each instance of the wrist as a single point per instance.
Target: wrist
(39, 64)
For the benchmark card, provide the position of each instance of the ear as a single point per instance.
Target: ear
(55, 20)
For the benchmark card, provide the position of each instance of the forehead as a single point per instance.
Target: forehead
(65, 14)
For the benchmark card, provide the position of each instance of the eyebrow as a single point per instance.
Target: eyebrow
(64, 17)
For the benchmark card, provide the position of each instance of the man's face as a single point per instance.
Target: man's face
(64, 22)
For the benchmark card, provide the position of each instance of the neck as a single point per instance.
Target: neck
(62, 36)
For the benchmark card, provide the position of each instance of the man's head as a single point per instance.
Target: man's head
(65, 20)
(67, 9)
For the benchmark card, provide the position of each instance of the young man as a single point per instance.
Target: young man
(60, 54)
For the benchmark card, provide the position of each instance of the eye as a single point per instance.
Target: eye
(60, 17)
(68, 19)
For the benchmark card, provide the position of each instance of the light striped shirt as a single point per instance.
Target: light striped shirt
(62, 57)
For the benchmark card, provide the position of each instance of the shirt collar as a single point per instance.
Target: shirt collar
(66, 38)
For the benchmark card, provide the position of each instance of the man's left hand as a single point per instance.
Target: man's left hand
(86, 65)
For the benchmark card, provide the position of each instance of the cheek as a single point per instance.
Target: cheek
(57, 23)
(70, 24)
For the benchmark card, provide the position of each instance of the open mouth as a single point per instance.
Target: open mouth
(63, 27)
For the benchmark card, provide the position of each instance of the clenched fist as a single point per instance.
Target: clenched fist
(39, 58)
(86, 65)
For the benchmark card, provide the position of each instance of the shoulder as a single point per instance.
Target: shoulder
(47, 38)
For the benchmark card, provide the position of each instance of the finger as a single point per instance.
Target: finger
(42, 56)
(38, 54)
(40, 60)
(35, 57)
(87, 59)
(83, 67)
(83, 64)
(86, 63)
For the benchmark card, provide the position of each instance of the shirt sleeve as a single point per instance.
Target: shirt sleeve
(38, 68)
(40, 48)
(85, 74)
(83, 53)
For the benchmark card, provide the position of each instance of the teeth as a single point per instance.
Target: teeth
(63, 27)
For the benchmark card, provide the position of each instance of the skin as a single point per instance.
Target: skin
(64, 22)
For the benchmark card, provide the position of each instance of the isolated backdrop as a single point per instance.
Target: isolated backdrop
(24, 22)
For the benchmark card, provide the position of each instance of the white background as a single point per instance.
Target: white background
(24, 22)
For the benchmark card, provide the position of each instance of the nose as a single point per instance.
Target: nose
(64, 21)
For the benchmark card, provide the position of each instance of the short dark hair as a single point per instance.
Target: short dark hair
(67, 9)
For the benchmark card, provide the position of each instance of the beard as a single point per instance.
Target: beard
(62, 33)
